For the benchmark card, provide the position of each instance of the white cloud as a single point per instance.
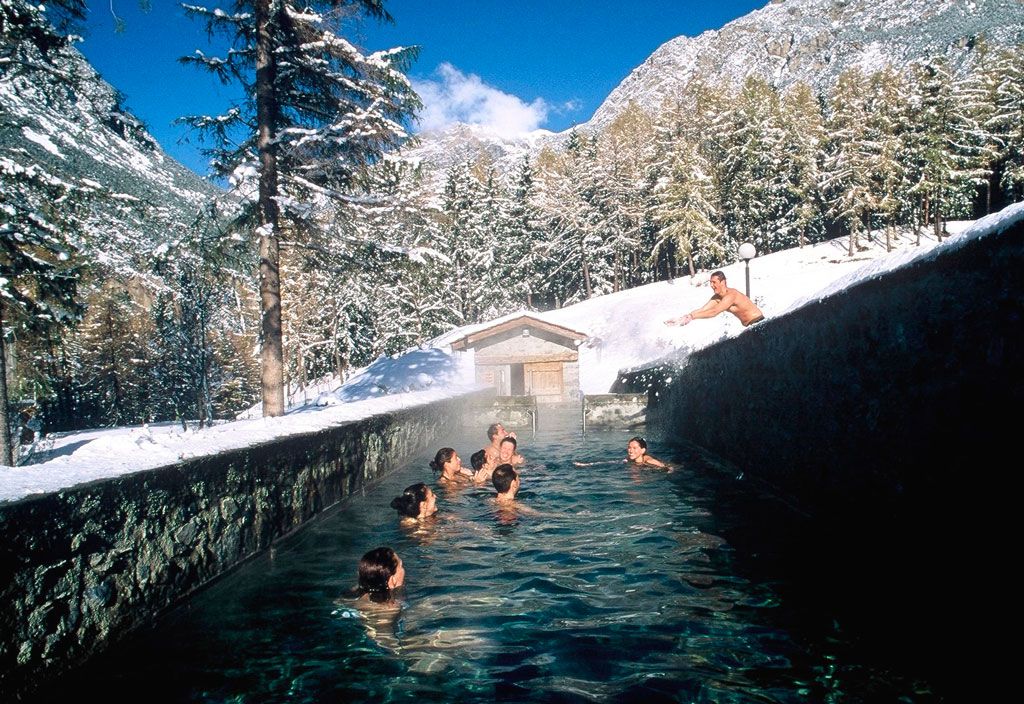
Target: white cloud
(454, 96)
(569, 106)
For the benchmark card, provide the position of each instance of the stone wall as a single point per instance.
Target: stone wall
(888, 415)
(888, 390)
(85, 566)
(513, 412)
(615, 410)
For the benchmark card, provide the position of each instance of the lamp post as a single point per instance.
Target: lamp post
(747, 252)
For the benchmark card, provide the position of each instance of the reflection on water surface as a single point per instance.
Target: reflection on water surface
(626, 585)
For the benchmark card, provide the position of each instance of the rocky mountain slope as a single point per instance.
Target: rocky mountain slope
(813, 41)
(59, 115)
(785, 42)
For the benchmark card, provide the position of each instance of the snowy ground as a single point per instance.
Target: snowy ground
(625, 330)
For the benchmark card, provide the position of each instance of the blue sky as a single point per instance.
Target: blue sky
(513, 65)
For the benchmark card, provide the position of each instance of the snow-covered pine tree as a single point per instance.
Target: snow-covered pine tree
(582, 263)
(803, 143)
(887, 91)
(752, 183)
(848, 155)
(39, 233)
(977, 92)
(686, 212)
(116, 361)
(939, 121)
(621, 190)
(1007, 122)
(39, 263)
(520, 258)
(486, 230)
(691, 126)
(461, 191)
(316, 111)
(199, 270)
(408, 220)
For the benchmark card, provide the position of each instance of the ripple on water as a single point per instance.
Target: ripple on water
(622, 587)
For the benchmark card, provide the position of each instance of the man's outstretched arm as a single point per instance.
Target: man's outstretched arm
(705, 311)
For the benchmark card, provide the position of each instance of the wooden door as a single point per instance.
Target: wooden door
(544, 380)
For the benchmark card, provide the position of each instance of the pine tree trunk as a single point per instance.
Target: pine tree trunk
(117, 415)
(586, 268)
(803, 236)
(937, 224)
(272, 351)
(300, 365)
(6, 449)
(241, 314)
(917, 233)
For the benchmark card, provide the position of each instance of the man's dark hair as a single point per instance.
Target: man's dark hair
(718, 275)
(509, 438)
(478, 460)
(503, 477)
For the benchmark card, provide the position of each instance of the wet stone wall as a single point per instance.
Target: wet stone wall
(83, 567)
(615, 410)
(889, 415)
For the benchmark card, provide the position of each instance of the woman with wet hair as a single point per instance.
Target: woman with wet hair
(416, 503)
(636, 454)
(380, 573)
(448, 463)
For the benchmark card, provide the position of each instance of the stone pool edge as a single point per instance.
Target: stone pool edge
(83, 567)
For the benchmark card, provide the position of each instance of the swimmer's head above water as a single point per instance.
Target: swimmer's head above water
(380, 571)
(636, 453)
(636, 448)
(505, 480)
(478, 459)
(417, 501)
(497, 430)
(447, 462)
(507, 448)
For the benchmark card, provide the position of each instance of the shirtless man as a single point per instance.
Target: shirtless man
(725, 299)
(507, 453)
(495, 433)
(506, 483)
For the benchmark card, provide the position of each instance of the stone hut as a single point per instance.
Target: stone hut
(527, 356)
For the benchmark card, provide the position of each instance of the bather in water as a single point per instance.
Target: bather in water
(415, 504)
(636, 456)
(448, 463)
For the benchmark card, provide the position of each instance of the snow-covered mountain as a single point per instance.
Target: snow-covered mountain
(813, 41)
(437, 151)
(57, 114)
(785, 42)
